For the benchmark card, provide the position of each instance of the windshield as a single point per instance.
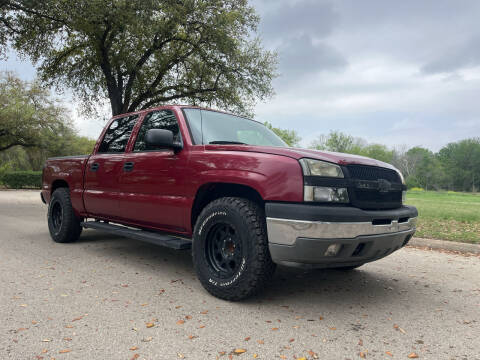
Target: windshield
(212, 127)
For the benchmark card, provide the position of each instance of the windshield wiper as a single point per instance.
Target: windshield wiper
(227, 142)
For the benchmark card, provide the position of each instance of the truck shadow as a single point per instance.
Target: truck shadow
(368, 285)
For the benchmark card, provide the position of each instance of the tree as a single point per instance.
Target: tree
(377, 151)
(426, 170)
(461, 161)
(291, 137)
(34, 127)
(28, 117)
(339, 142)
(141, 53)
(402, 161)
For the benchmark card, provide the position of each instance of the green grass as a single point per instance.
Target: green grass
(447, 215)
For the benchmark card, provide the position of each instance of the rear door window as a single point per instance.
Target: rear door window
(117, 135)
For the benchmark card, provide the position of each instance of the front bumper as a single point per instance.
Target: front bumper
(301, 234)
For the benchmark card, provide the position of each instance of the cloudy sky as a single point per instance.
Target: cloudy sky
(394, 72)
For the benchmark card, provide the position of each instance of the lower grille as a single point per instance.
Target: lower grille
(377, 200)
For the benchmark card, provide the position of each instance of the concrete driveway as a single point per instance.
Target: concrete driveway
(113, 298)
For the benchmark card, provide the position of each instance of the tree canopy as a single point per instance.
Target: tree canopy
(33, 126)
(341, 142)
(461, 162)
(28, 117)
(141, 53)
(291, 137)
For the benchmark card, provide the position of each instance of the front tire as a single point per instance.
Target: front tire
(63, 224)
(230, 249)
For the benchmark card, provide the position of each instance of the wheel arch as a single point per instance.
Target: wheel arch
(59, 183)
(214, 190)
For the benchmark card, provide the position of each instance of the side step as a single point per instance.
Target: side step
(143, 235)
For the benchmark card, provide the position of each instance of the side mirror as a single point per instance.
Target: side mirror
(160, 139)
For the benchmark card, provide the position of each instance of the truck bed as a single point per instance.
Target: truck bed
(69, 169)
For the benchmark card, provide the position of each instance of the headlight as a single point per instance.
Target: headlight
(325, 194)
(313, 167)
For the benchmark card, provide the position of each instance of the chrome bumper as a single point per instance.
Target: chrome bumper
(287, 231)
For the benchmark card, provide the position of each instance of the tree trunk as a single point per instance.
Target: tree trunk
(116, 103)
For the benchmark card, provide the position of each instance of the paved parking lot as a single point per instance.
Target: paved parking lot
(113, 298)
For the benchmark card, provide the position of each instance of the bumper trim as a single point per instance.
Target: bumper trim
(286, 231)
(317, 212)
(353, 252)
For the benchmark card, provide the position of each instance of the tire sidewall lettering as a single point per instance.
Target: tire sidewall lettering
(234, 279)
(208, 218)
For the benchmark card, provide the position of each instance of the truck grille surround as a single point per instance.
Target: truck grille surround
(374, 187)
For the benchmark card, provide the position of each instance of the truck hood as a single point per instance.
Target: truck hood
(297, 153)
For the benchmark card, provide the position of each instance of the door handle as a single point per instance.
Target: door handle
(94, 167)
(128, 166)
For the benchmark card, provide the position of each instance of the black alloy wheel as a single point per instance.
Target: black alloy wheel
(223, 250)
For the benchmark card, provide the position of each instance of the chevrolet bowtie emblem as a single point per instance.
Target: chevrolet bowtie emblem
(384, 185)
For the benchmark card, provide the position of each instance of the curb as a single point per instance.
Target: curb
(12, 190)
(445, 245)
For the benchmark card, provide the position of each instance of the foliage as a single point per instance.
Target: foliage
(461, 161)
(291, 137)
(4, 167)
(340, 142)
(28, 117)
(22, 179)
(447, 215)
(34, 127)
(19, 158)
(141, 53)
(427, 170)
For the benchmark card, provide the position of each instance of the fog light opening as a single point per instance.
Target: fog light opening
(358, 249)
(333, 250)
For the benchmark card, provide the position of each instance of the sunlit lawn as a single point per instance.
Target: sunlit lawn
(447, 215)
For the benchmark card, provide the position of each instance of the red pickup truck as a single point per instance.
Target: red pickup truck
(232, 191)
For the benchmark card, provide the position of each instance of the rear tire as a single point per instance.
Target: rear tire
(230, 249)
(63, 224)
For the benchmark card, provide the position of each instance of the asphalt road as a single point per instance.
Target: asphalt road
(113, 298)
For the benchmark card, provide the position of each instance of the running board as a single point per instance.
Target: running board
(143, 235)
